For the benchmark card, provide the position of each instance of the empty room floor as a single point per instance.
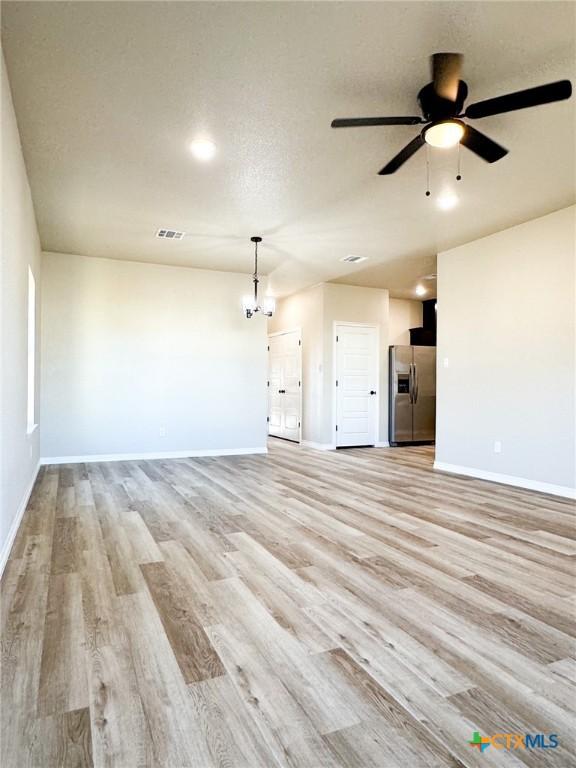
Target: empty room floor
(351, 608)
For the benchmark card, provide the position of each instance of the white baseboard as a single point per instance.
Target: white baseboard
(318, 446)
(496, 477)
(332, 446)
(7, 545)
(91, 458)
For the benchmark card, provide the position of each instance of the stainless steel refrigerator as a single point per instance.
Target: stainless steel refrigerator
(412, 391)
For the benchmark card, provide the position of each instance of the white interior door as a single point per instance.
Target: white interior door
(356, 385)
(284, 385)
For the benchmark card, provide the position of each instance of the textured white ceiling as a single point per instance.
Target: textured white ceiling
(108, 96)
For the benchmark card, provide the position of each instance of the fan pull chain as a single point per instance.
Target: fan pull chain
(459, 174)
(427, 171)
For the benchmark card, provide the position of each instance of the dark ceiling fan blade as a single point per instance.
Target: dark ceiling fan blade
(446, 69)
(532, 97)
(356, 122)
(481, 145)
(402, 156)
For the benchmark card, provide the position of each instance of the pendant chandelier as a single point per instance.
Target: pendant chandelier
(250, 304)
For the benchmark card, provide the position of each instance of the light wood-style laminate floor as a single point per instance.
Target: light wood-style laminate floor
(349, 608)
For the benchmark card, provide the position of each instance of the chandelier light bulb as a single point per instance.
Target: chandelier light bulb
(268, 306)
(248, 305)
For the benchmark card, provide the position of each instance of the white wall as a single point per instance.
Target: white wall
(20, 251)
(506, 314)
(404, 314)
(147, 359)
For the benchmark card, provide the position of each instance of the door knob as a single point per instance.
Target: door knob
(372, 391)
(281, 391)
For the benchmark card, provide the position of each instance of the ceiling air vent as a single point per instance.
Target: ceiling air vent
(351, 259)
(170, 234)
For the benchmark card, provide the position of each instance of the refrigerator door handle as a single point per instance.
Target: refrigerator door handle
(415, 383)
(411, 383)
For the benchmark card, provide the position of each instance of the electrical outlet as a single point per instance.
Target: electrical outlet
(162, 431)
(446, 363)
(497, 446)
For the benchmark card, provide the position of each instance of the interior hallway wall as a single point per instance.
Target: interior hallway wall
(315, 311)
(352, 304)
(304, 310)
(19, 447)
(506, 355)
(149, 359)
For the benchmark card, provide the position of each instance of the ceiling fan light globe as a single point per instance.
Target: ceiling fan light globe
(447, 201)
(444, 134)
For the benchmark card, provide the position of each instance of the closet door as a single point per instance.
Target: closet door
(285, 385)
(356, 385)
(275, 378)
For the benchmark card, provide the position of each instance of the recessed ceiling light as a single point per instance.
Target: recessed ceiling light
(420, 290)
(447, 201)
(203, 149)
(445, 134)
(352, 259)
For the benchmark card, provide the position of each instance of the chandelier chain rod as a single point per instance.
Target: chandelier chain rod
(256, 272)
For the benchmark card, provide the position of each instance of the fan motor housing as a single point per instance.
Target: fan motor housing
(435, 108)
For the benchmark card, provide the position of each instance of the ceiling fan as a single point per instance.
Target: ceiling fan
(442, 101)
